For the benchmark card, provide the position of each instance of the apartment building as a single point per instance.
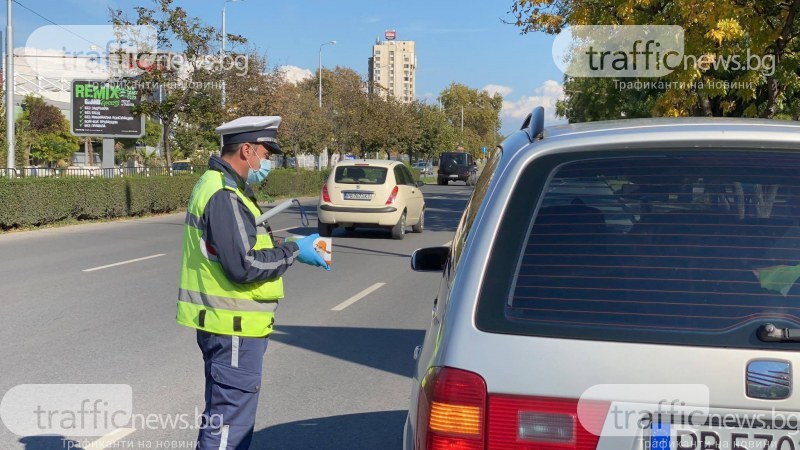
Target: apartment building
(393, 68)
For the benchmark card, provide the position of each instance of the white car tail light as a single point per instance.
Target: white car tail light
(544, 423)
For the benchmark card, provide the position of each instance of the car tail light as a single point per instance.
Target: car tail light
(392, 196)
(325, 196)
(451, 410)
(544, 423)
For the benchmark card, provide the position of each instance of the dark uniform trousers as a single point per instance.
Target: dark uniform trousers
(233, 381)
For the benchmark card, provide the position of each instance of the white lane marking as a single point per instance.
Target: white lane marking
(282, 229)
(358, 296)
(110, 439)
(123, 262)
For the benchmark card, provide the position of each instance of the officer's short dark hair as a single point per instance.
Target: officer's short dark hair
(229, 149)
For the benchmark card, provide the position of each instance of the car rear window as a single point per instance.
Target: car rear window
(695, 248)
(360, 175)
(453, 159)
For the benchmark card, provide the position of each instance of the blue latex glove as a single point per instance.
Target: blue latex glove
(308, 254)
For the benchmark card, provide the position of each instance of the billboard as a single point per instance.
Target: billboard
(390, 35)
(105, 109)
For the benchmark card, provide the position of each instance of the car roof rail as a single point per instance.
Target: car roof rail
(534, 124)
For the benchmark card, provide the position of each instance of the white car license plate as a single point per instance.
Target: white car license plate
(685, 437)
(358, 195)
(453, 176)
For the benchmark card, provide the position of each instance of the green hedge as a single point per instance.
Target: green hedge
(40, 201)
(283, 183)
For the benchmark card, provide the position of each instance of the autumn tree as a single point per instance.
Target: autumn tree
(181, 85)
(305, 128)
(481, 115)
(714, 29)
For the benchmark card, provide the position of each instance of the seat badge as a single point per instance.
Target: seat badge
(769, 379)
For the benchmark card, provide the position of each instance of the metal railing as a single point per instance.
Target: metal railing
(97, 172)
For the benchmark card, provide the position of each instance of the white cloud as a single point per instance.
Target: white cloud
(546, 95)
(295, 74)
(497, 89)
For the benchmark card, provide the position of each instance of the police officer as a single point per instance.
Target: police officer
(230, 280)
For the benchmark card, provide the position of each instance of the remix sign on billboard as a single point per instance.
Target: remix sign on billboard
(105, 109)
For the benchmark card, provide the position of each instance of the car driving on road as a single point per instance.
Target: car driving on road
(456, 166)
(371, 193)
(619, 285)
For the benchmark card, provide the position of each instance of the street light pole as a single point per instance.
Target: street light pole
(9, 90)
(320, 70)
(224, 36)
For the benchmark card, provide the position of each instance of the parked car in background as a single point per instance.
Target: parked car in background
(425, 167)
(182, 166)
(456, 166)
(371, 193)
(619, 285)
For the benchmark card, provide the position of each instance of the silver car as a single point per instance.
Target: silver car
(626, 285)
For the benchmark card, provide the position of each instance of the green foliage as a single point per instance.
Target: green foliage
(292, 183)
(43, 133)
(713, 29)
(40, 201)
(481, 113)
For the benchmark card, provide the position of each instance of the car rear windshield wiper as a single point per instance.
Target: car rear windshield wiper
(770, 333)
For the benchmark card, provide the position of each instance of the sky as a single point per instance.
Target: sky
(465, 42)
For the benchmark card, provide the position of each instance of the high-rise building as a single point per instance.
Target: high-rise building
(393, 68)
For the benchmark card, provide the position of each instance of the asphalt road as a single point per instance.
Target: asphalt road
(334, 378)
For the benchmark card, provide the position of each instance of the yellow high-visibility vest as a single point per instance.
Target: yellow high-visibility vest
(207, 299)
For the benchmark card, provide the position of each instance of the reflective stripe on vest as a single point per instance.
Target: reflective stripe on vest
(207, 299)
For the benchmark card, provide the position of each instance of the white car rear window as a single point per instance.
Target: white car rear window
(360, 175)
(660, 247)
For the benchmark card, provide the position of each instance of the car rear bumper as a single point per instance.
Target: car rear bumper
(355, 209)
(381, 216)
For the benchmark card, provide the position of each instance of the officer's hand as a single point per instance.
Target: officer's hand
(308, 254)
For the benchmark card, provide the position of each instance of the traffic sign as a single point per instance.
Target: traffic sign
(105, 109)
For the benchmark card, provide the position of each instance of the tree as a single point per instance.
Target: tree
(172, 90)
(715, 29)
(305, 127)
(481, 115)
(43, 133)
(344, 100)
(436, 134)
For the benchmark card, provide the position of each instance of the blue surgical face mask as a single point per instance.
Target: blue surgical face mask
(257, 176)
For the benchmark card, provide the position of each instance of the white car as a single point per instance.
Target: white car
(425, 168)
(371, 193)
(623, 285)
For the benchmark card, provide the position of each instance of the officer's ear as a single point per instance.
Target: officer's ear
(246, 148)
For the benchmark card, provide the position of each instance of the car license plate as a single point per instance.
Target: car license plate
(358, 195)
(453, 176)
(683, 437)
